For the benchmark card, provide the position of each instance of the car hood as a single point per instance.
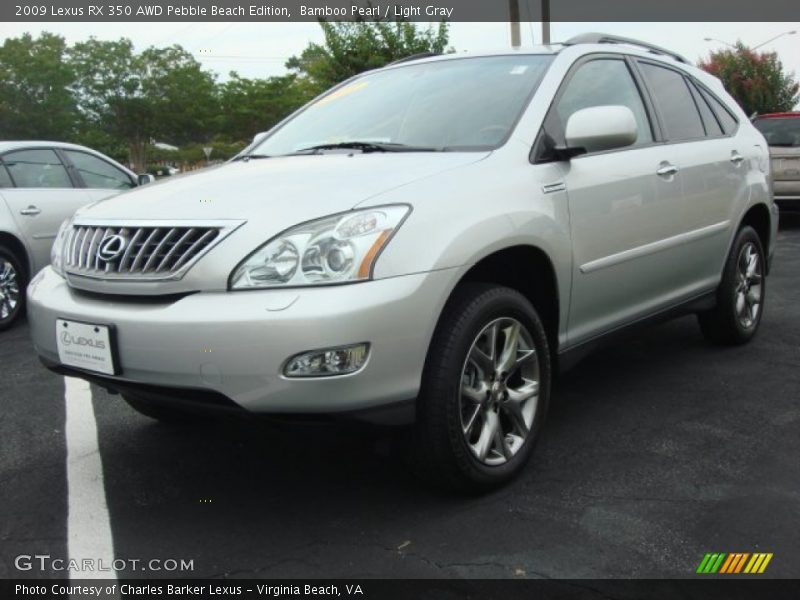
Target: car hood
(279, 192)
(258, 199)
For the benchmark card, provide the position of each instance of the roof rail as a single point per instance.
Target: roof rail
(604, 38)
(413, 57)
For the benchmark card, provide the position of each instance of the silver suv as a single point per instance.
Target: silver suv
(425, 244)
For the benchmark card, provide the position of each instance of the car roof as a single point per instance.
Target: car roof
(8, 145)
(18, 144)
(780, 115)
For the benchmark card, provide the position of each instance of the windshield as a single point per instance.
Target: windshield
(460, 104)
(780, 131)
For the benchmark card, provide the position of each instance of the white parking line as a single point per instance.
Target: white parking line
(88, 524)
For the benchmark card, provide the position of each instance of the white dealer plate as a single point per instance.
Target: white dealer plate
(85, 346)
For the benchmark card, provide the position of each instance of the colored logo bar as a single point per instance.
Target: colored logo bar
(734, 563)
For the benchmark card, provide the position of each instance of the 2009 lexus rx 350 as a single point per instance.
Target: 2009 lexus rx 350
(425, 244)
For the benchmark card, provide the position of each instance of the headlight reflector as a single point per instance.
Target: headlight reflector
(333, 249)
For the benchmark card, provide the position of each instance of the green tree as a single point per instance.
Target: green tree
(353, 47)
(35, 97)
(756, 80)
(248, 106)
(160, 93)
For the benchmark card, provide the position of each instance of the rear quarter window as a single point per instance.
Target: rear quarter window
(726, 119)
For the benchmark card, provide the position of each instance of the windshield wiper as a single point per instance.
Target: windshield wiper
(246, 157)
(367, 147)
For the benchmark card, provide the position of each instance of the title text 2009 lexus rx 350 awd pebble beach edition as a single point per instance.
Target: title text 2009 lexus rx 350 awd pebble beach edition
(425, 244)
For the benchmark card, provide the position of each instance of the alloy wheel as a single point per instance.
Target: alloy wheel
(9, 289)
(499, 391)
(749, 288)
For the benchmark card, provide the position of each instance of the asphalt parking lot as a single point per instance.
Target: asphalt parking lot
(658, 449)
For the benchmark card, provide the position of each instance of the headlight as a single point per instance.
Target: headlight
(333, 249)
(57, 250)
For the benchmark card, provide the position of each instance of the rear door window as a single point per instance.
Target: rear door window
(674, 100)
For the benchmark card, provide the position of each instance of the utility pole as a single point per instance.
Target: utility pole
(513, 17)
(545, 22)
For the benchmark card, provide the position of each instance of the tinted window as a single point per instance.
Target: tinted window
(37, 169)
(780, 131)
(709, 120)
(5, 180)
(602, 83)
(727, 120)
(678, 110)
(97, 173)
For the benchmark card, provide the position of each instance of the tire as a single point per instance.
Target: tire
(13, 280)
(161, 412)
(458, 395)
(741, 294)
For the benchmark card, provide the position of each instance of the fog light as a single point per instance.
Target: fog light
(327, 362)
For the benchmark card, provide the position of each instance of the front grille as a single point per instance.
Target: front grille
(136, 252)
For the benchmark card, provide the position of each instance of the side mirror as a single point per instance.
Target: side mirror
(145, 178)
(600, 128)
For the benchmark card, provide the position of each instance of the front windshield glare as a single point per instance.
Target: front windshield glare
(459, 104)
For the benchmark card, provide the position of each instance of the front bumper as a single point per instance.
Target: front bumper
(236, 343)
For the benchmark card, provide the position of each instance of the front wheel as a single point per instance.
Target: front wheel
(485, 390)
(741, 293)
(12, 288)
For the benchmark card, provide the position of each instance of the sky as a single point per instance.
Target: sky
(261, 49)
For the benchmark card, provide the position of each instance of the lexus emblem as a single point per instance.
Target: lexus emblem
(111, 247)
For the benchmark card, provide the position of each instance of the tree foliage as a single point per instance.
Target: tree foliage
(108, 95)
(159, 93)
(756, 80)
(248, 106)
(353, 47)
(35, 97)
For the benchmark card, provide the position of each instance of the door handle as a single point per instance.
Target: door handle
(30, 211)
(736, 158)
(667, 170)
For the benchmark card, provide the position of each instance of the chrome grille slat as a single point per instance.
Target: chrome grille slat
(126, 256)
(72, 237)
(83, 251)
(149, 250)
(141, 254)
(154, 254)
(195, 248)
(174, 250)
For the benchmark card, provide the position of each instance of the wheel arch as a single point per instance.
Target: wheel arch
(529, 270)
(14, 244)
(758, 217)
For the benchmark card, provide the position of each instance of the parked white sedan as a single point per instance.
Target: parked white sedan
(41, 185)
